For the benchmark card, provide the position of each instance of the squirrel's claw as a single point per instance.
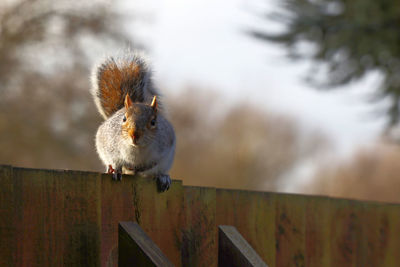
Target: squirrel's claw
(110, 169)
(117, 176)
(163, 182)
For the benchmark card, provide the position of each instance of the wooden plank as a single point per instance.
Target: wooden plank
(38, 218)
(199, 235)
(81, 192)
(318, 220)
(346, 230)
(290, 230)
(135, 248)
(253, 214)
(374, 225)
(389, 235)
(53, 218)
(233, 249)
(7, 217)
(136, 199)
(57, 219)
(162, 216)
(118, 201)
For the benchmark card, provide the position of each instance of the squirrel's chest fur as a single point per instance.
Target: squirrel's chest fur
(157, 154)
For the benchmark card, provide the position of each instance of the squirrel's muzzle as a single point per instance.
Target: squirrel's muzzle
(135, 135)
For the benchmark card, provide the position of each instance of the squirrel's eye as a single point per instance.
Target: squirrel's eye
(153, 122)
(124, 119)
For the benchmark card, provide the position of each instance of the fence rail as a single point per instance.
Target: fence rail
(70, 218)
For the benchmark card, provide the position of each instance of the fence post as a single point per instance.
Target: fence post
(135, 248)
(233, 249)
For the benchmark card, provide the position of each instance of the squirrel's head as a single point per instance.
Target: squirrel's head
(139, 123)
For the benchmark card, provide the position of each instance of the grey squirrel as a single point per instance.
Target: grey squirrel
(135, 137)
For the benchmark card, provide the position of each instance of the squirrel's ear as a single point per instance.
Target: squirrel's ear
(154, 104)
(128, 101)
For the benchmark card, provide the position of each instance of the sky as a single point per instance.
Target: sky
(203, 42)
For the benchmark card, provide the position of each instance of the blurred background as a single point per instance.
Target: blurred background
(292, 95)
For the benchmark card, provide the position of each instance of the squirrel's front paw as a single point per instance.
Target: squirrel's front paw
(163, 182)
(116, 173)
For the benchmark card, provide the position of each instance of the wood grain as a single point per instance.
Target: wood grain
(70, 218)
(234, 250)
(135, 248)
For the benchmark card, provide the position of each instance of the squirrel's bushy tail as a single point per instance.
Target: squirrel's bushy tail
(115, 77)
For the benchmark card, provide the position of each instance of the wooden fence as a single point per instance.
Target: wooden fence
(70, 218)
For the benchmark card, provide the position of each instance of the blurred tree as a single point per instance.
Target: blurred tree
(349, 38)
(47, 118)
(372, 174)
(242, 147)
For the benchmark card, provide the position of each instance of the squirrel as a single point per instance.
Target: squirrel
(135, 137)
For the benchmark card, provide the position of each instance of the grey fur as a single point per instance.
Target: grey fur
(153, 155)
(140, 90)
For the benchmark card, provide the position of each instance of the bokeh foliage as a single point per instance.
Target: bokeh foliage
(45, 112)
(349, 40)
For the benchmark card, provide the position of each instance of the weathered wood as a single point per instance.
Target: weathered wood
(375, 236)
(161, 216)
(57, 218)
(233, 249)
(253, 214)
(7, 217)
(345, 234)
(199, 235)
(290, 230)
(135, 248)
(70, 218)
(136, 199)
(318, 221)
(389, 233)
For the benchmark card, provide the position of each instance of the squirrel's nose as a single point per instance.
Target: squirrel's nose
(135, 135)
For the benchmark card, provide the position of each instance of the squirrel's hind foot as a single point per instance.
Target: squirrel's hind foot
(163, 182)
